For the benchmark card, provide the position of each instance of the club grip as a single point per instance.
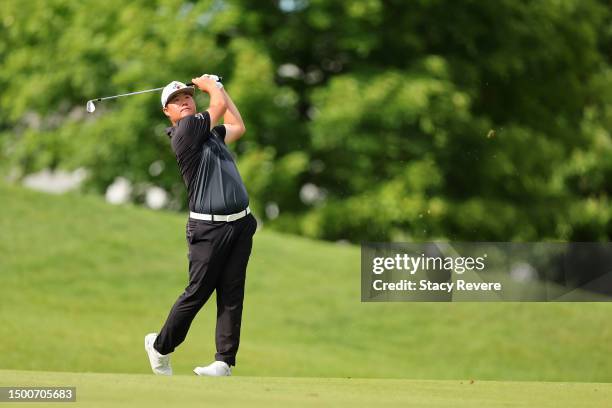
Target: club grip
(192, 84)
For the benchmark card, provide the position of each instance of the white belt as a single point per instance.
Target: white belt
(215, 217)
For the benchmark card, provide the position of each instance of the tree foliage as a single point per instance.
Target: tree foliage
(367, 120)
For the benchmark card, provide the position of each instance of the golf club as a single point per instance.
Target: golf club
(91, 107)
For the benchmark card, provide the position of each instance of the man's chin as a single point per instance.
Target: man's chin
(186, 112)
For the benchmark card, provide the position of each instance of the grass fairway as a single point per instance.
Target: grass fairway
(137, 390)
(82, 282)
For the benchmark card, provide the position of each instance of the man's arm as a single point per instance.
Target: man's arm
(234, 125)
(217, 105)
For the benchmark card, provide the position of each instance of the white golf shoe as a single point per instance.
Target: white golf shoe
(160, 363)
(215, 369)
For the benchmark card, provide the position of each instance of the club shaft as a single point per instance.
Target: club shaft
(128, 94)
(138, 92)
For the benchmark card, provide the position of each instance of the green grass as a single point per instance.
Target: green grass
(139, 390)
(84, 281)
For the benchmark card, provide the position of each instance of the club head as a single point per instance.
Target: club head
(90, 106)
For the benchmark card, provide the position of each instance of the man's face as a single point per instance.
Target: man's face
(179, 106)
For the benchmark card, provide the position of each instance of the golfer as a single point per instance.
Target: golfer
(220, 227)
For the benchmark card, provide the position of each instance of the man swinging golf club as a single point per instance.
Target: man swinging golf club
(220, 228)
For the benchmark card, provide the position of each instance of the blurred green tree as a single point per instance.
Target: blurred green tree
(368, 120)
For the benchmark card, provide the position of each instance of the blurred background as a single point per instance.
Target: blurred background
(366, 120)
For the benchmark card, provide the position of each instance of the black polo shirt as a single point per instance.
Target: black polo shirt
(213, 183)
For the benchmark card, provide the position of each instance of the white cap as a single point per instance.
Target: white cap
(173, 88)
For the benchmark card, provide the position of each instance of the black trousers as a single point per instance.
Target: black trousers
(218, 257)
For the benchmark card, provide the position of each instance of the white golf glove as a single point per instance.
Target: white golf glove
(216, 79)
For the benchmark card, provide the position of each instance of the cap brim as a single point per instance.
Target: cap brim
(188, 90)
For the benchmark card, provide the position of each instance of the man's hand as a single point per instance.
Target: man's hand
(216, 78)
(217, 106)
(205, 83)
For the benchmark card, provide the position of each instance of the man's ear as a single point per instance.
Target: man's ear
(165, 110)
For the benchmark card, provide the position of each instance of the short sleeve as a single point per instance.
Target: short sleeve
(220, 131)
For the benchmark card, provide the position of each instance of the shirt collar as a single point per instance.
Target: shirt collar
(170, 131)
